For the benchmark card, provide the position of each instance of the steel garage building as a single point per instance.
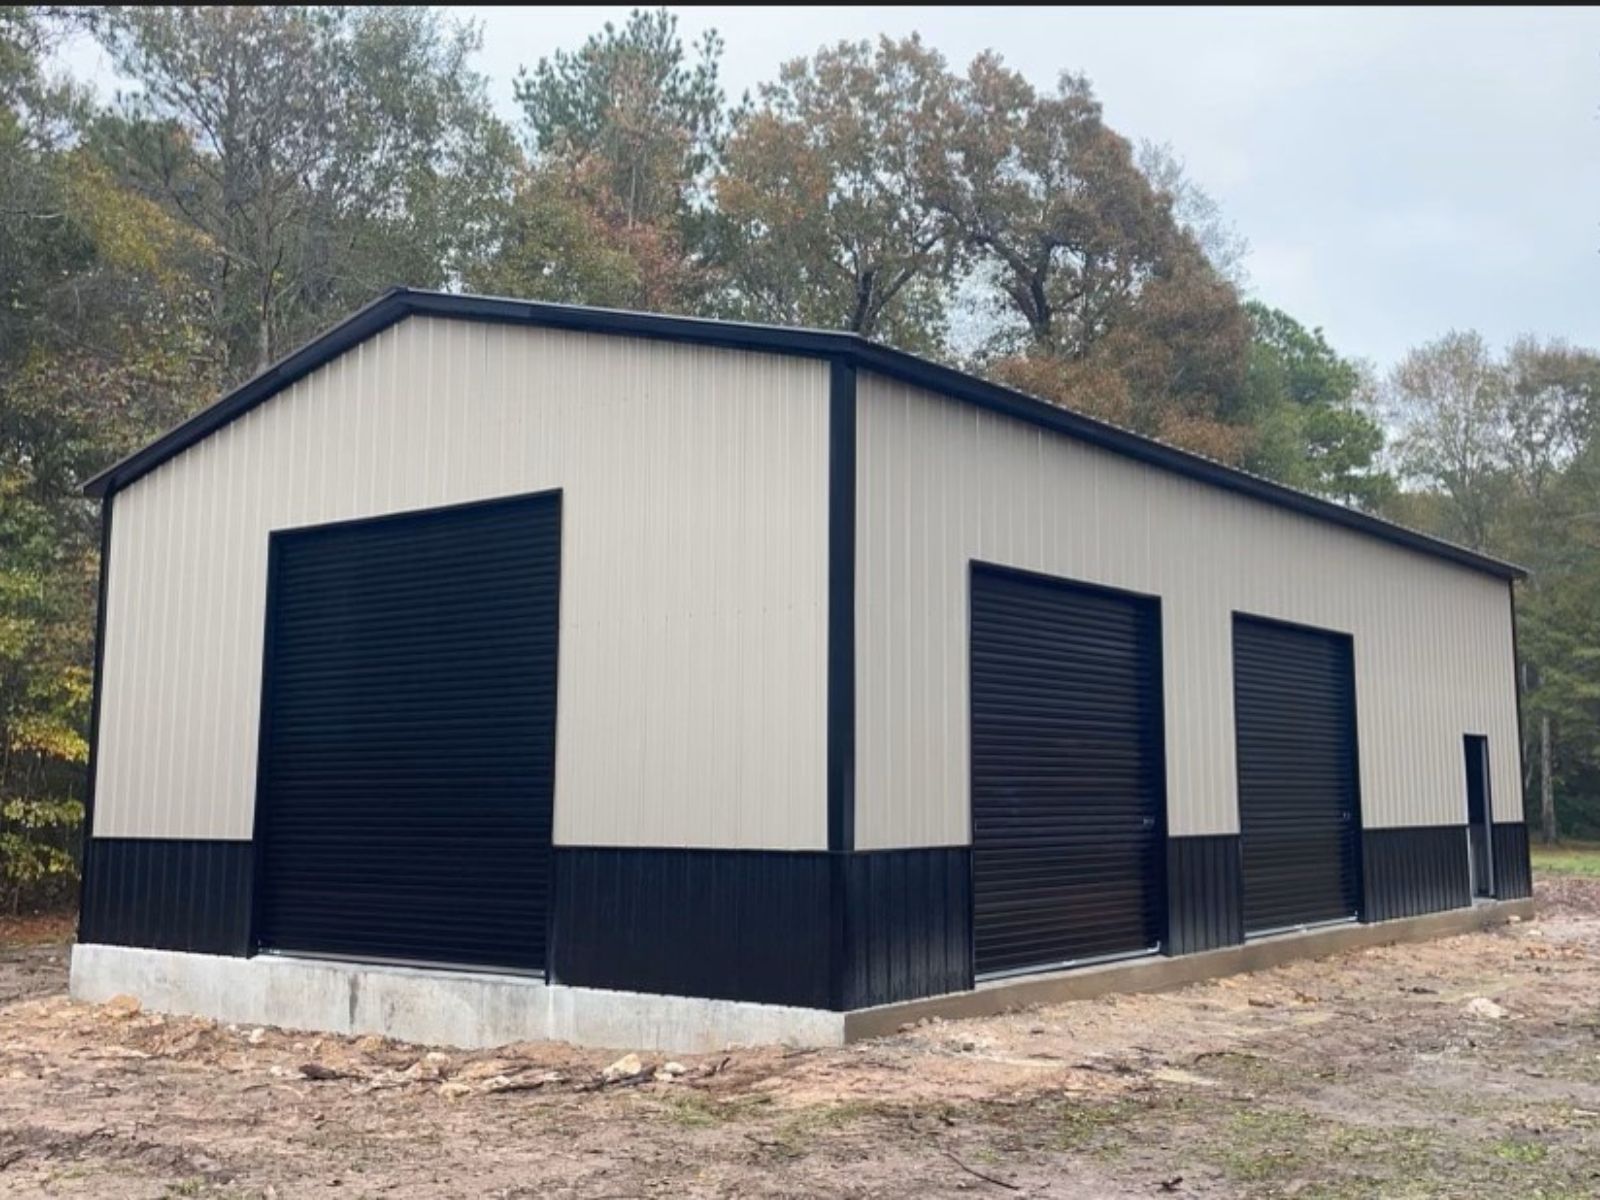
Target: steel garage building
(550, 663)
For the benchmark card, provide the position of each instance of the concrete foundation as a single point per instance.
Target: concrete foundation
(445, 1008)
(476, 1010)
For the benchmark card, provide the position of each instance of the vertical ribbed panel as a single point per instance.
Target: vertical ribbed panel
(940, 484)
(1413, 871)
(1204, 902)
(167, 895)
(731, 925)
(751, 925)
(694, 603)
(907, 925)
(1513, 870)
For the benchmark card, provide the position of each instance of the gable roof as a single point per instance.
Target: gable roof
(848, 348)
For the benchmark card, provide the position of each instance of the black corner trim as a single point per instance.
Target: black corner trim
(841, 607)
(1205, 897)
(845, 349)
(168, 894)
(1513, 870)
(1415, 870)
(1516, 691)
(86, 860)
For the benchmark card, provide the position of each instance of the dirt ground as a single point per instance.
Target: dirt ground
(1462, 1068)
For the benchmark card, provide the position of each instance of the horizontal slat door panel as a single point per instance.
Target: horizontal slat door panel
(409, 739)
(1299, 819)
(1067, 786)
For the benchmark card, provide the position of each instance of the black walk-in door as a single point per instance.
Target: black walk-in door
(1299, 819)
(409, 737)
(1068, 785)
(1479, 826)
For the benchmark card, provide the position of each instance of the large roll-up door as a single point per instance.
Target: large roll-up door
(409, 737)
(1067, 773)
(1299, 818)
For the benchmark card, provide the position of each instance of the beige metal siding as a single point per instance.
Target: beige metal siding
(940, 483)
(694, 573)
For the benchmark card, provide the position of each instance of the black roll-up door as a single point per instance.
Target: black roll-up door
(1299, 815)
(1068, 783)
(409, 736)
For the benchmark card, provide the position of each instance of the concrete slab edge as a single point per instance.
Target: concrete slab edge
(476, 1010)
(470, 1010)
(1156, 974)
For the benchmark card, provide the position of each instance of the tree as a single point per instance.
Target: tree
(824, 217)
(629, 113)
(1448, 403)
(623, 134)
(553, 245)
(1551, 406)
(1196, 211)
(322, 153)
(1502, 452)
(1310, 410)
(1114, 309)
(100, 347)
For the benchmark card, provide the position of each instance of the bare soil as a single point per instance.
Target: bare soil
(1464, 1067)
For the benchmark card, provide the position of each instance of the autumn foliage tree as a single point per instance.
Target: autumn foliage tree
(823, 211)
(621, 136)
(1106, 304)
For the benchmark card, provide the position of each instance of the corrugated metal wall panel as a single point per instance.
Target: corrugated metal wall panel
(1513, 872)
(168, 895)
(1408, 872)
(694, 599)
(940, 483)
(907, 924)
(1205, 907)
(739, 925)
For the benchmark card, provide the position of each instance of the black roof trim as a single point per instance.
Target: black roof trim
(850, 348)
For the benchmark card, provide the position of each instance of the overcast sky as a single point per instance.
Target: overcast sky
(1397, 173)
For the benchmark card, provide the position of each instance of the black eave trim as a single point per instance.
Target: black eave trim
(845, 349)
(841, 607)
(86, 857)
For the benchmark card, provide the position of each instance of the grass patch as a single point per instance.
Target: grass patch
(1567, 858)
(1094, 1126)
(819, 1119)
(1513, 1150)
(696, 1110)
(1263, 1144)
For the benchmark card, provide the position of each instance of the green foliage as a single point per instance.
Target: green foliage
(1570, 858)
(1308, 407)
(623, 134)
(553, 245)
(630, 105)
(38, 842)
(319, 155)
(1503, 452)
